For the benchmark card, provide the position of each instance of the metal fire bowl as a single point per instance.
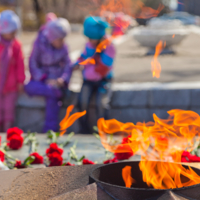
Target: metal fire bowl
(109, 179)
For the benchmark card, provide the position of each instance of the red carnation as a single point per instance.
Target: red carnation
(187, 157)
(87, 162)
(55, 159)
(123, 156)
(126, 140)
(69, 164)
(38, 158)
(114, 160)
(2, 156)
(13, 131)
(127, 155)
(54, 148)
(19, 165)
(15, 141)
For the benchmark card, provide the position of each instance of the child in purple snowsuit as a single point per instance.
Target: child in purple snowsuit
(50, 68)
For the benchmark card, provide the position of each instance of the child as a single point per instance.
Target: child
(97, 76)
(50, 69)
(12, 74)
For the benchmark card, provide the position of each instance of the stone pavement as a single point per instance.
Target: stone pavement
(87, 145)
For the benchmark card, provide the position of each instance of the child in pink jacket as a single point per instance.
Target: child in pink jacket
(12, 74)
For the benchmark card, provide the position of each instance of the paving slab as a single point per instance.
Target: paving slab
(87, 145)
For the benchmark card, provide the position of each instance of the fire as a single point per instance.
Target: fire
(109, 8)
(173, 36)
(162, 175)
(155, 64)
(147, 12)
(161, 140)
(100, 47)
(69, 120)
(126, 174)
(88, 61)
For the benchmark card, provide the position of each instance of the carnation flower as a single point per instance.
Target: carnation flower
(19, 165)
(114, 160)
(126, 155)
(38, 158)
(15, 141)
(55, 159)
(187, 157)
(87, 162)
(69, 164)
(54, 148)
(13, 131)
(2, 156)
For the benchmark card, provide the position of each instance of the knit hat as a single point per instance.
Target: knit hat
(9, 22)
(57, 29)
(50, 17)
(95, 27)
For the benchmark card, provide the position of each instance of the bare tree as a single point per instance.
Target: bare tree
(38, 12)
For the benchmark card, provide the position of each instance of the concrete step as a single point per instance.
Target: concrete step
(131, 102)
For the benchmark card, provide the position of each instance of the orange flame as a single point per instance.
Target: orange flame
(155, 64)
(173, 36)
(100, 47)
(126, 175)
(88, 61)
(162, 175)
(125, 6)
(147, 12)
(69, 120)
(161, 140)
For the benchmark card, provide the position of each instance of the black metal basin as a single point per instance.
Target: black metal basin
(109, 178)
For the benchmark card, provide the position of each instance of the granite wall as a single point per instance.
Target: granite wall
(128, 104)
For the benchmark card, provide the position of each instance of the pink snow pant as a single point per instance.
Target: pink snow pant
(7, 107)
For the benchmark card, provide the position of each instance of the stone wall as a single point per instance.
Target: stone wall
(130, 103)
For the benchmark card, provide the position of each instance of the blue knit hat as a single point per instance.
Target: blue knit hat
(95, 27)
(9, 22)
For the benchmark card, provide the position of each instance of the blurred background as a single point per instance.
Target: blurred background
(136, 93)
(32, 12)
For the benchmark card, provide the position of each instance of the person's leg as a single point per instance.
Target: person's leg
(52, 96)
(83, 104)
(103, 97)
(1, 112)
(52, 115)
(9, 102)
(41, 89)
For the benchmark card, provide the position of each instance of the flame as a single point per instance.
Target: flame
(147, 12)
(161, 140)
(100, 47)
(103, 45)
(136, 10)
(69, 120)
(155, 64)
(173, 36)
(162, 175)
(126, 175)
(88, 61)
(108, 8)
